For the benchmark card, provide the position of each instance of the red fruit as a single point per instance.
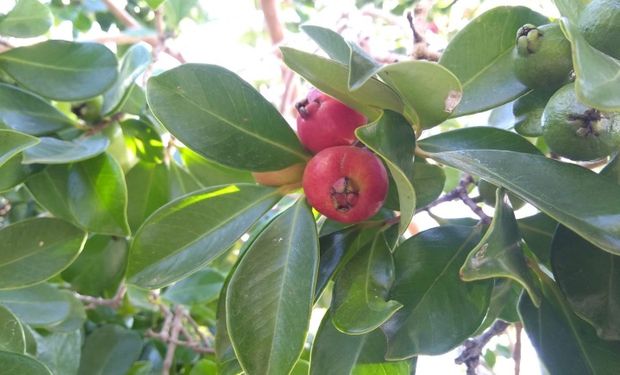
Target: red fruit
(346, 183)
(325, 122)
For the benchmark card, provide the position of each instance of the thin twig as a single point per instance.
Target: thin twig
(121, 14)
(173, 341)
(93, 302)
(516, 353)
(473, 347)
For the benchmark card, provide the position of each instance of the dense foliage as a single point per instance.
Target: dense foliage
(135, 239)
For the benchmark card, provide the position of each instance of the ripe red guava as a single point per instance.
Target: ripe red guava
(325, 122)
(346, 183)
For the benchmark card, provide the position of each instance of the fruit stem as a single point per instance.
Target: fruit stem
(421, 153)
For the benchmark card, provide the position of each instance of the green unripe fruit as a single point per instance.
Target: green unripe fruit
(542, 57)
(90, 111)
(487, 193)
(599, 23)
(528, 111)
(575, 131)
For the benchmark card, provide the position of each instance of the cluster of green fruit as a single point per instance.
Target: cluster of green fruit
(543, 62)
(342, 181)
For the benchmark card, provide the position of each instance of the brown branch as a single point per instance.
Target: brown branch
(272, 19)
(470, 356)
(121, 14)
(173, 340)
(94, 302)
(516, 354)
(127, 39)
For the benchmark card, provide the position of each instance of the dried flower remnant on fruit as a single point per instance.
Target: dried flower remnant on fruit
(344, 194)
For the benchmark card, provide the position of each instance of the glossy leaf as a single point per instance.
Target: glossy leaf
(336, 353)
(13, 172)
(440, 311)
(597, 73)
(537, 231)
(362, 67)
(593, 216)
(202, 287)
(28, 113)
(154, 4)
(40, 305)
(62, 70)
(428, 180)
(56, 151)
(361, 301)
(135, 102)
(189, 232)
(17, 363)
(12, 337)
(477, 138)
(60, 351)
(209, 173)
(76, 317)
(110, 349)
(12, 143)
(29, 18)
(90, 193)
(480, 55)
(565, 343)
(432, 100)
(100, 267)
(575, 260)
(330, 41)
(392, 138)
(147, 189)
(134, 62)
(143, 141)
(571, 8)
(331, 77)
(270, 295)
(220, 116)
(528, 111)
(500, 253)
(46, 247)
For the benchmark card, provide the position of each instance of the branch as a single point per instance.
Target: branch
(473, 347)
(516, 354)
(94, 302)
(173, 341)
(121, 14)
(272, 19)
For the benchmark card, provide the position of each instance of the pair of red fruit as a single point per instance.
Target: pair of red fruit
(342, 181)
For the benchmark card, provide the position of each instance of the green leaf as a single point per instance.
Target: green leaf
(575, 260)
(134, 62)
(361, 301)
(336, 249)
(57, 151)
(100, 267)
(148, 189)
(12, 337)
(60, 351)
(537, 231)
(90, 193)
(432, 100)
(331, 77)
(40, 305)
(480, 56)
(563, 191)
(76, 318)
(571, 8)
(392, 138)
(29, 18)
(565, 343)
(597, 73)
(62, 70)
(135, 103)
(220, 116)
(189, 232)
(270, 295)
(362, 67)
(143, 141)
(528, 111)
(428, 181)
(12, 143)
(440, 311)
(176, 10)
(202, 287)
(35, 250)
(204, 367)
(28, 113)
(16, 363)
(500, 253)
(110, 349)
(209, 173)
(330, 41)
(154, 4)
(13, 172)
(336, 353)
(477, 138)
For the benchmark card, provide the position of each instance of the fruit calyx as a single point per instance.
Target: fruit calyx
(528, 39)
(344, 193)
(588, 121)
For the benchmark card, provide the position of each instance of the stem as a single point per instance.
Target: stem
(174, 340)
(94, 302)
(272, 19)
(121, 14)
(516, 355)
(473, 347)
